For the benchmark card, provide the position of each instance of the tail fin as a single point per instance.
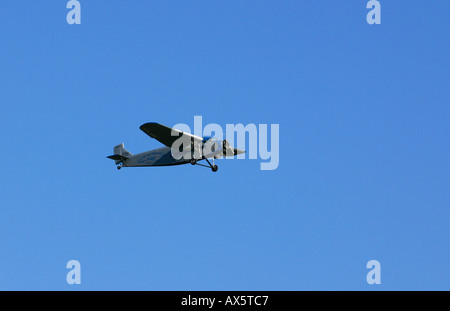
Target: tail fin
(120, 154)
(120, 150)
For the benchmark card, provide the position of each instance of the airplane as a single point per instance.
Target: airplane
(180, 148)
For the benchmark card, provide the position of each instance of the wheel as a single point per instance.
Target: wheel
(214, 168)
(193, 161)
(119, 167)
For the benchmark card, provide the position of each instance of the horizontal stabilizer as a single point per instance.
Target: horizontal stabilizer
(117, 157)
(120, 154)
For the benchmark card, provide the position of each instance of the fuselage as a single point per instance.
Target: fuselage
(158, 157)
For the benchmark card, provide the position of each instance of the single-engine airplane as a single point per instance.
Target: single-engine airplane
(180, 148)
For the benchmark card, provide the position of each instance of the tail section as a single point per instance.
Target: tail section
(120, 150)
(120, 154)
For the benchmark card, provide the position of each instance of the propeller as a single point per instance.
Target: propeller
(225, 146)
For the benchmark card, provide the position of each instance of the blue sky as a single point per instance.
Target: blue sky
(364, 123)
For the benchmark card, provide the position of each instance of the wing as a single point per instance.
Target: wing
(166, 135)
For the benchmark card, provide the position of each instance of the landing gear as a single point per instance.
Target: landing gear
(119, 167)
(213, 167)
(193, 161)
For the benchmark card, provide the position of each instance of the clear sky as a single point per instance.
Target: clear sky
(364, 145)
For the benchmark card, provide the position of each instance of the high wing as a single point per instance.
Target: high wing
(166, 135)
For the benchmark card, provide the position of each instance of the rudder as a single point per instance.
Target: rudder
(120, 154)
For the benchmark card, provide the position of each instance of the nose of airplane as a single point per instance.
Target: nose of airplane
(238, 151)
